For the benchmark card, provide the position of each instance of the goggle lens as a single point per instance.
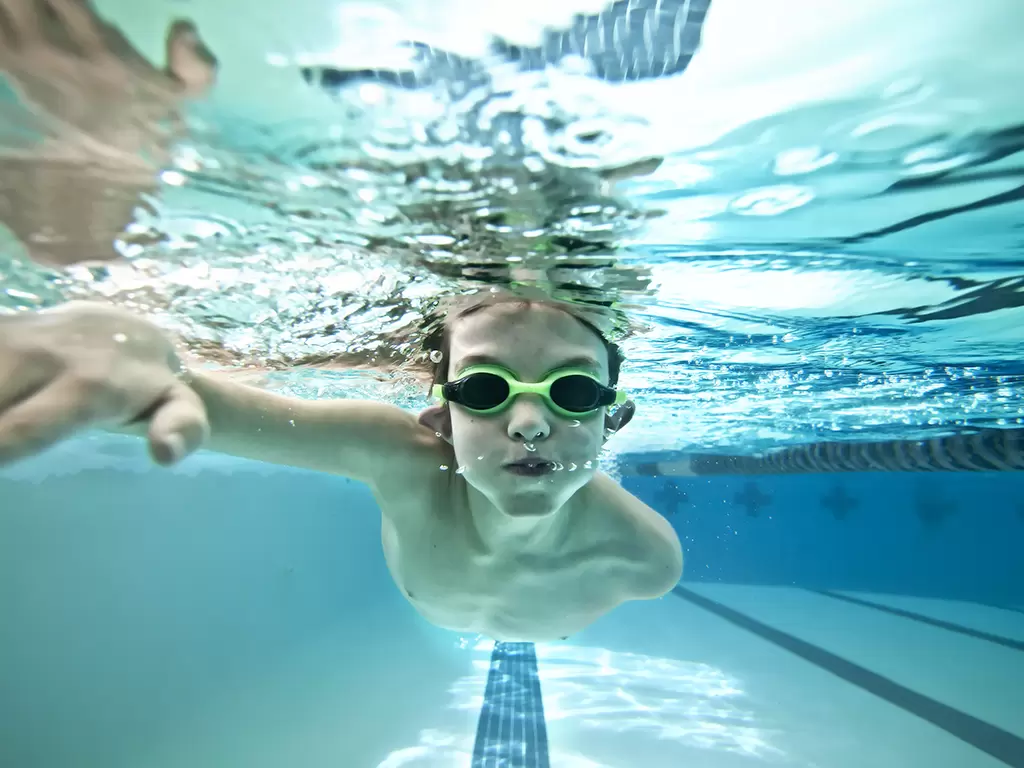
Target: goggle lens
(575, 393)
(482, 391)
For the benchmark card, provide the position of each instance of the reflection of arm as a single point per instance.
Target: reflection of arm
(988, 450)
(68, 211)
(89, 124)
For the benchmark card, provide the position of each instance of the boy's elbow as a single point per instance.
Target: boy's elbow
(661, 573)
(672, 571)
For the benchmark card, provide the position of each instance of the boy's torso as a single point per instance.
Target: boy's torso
(541, 593)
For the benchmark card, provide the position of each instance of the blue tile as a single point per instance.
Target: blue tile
(511, 732)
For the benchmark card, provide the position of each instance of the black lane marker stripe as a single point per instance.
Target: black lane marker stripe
(1005, 608)
(1008, 642)
(986, 737)
(511, 732)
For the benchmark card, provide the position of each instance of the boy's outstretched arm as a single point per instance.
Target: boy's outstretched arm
(361, 439)
(87, 365)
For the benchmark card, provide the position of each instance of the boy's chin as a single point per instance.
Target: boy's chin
(556, 486)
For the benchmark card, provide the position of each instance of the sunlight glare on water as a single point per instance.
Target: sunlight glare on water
(810, 222)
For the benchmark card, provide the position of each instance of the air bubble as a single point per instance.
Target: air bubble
(443, 467)
(572, 467)
(589, 465)
(120, 338)
(575, 423)
(460, 471)
(437, 434)
(292, 422)
(530, 447)
(436, 356)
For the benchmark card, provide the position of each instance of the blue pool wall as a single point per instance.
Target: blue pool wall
(957, 536)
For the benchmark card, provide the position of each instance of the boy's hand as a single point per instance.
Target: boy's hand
(88, 365)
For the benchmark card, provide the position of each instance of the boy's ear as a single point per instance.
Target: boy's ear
(613, 422)
(439, 419)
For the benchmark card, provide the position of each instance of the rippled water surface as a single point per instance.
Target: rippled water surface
(809, 223)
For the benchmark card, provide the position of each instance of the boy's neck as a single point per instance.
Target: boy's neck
(530, 521)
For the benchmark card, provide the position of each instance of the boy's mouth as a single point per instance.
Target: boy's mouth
(530, 467)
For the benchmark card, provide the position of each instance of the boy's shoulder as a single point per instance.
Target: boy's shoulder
(419, 474)
(647, 543)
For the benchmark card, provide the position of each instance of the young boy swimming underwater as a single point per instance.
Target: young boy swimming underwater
(495, 517)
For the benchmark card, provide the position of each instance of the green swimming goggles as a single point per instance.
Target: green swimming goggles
(489, 389)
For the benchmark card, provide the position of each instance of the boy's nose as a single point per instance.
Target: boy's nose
(528, 419)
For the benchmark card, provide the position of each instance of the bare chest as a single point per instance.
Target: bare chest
(539, 594)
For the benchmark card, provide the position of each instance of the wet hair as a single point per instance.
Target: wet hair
(438, 342)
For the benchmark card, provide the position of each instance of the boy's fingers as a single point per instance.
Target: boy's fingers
(22, 23)
(52, 414)
(80, 26)
(20, 385)
(178, 426)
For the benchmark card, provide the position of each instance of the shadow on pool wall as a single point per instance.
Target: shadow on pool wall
(957, 536)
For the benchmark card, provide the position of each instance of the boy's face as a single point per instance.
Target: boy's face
(530, 343)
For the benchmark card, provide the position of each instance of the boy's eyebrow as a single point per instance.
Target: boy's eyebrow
(580, 361)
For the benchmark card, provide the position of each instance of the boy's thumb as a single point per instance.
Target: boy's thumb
(178, 427)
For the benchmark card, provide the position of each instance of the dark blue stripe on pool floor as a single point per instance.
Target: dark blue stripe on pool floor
(511, 732)
(1010, 608)
(1002, 745)
(1007, 642)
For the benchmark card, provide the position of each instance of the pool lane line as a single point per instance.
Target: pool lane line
(1010, 608)
(511, 731)
(988, 738)
(1008, 642)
